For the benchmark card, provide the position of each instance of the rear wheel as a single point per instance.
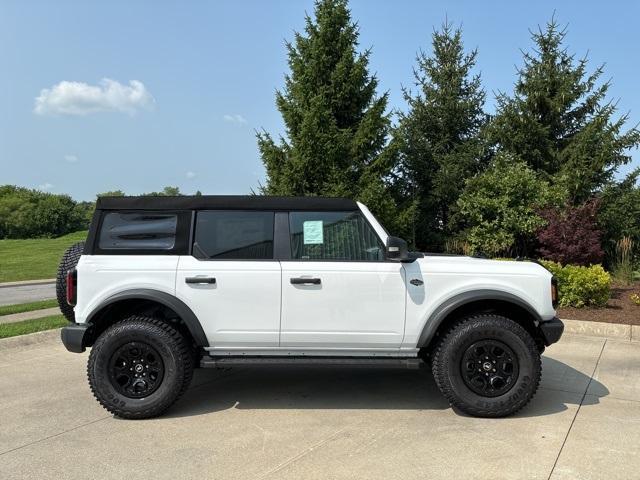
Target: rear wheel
(139, 367)
(487, 366)
(69, 261)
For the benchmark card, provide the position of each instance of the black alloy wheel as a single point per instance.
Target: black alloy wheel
(136, 370)
(489, 368)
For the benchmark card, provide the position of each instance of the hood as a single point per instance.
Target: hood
(473, 265)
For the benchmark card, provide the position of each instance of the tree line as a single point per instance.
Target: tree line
(29, 213)
(536, 177)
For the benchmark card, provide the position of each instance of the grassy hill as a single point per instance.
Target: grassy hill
(34, 259)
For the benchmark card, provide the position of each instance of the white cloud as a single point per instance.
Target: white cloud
(45, 186)
(78, 98)
(190, 175)
(234, 118)
(71, 158)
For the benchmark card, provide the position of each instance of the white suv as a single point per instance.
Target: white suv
(166, 284)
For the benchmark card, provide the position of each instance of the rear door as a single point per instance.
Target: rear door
(338, 291)
(231, 281)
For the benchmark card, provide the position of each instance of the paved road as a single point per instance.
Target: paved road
(323, 423)
(26, 293)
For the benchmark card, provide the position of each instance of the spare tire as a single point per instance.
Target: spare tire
(68, 262)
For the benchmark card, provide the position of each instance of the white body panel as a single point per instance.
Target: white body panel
(357, 304)
(446, 277)
(242, 308)
(359, 308)
(102, 276)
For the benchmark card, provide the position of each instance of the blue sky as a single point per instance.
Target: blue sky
(207, 74)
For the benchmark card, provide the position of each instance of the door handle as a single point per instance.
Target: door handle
(305, 281)
(416, 281)
(200, 280)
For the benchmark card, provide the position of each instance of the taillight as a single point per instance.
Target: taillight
(72, 286)
(554, 292)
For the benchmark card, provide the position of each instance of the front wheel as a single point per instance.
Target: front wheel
(487, 366)
(139, 367)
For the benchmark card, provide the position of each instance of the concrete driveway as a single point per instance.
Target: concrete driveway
(323, 423)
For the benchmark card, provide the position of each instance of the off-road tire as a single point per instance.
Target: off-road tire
(447, 365)
(173, 349)
(68, 262)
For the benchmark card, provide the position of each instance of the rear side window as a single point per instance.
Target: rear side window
(333, 236)
(234, 235)
(138, 231)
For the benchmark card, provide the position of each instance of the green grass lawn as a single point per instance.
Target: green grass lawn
(32, 326)
(27, 307)
(34, 259)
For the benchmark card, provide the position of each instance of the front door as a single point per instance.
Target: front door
(232, 282)
(338, 291)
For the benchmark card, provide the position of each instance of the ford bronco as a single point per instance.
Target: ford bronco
(163, 285)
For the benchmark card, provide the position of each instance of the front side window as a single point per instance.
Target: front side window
(138, 231)
(234, 235)
(333, 236)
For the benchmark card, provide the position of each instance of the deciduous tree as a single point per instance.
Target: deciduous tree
(499, 208)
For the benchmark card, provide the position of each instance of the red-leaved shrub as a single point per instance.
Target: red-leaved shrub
(571, 235)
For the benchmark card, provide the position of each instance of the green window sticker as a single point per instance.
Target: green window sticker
(312, 232)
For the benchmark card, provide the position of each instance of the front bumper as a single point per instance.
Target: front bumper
(74, 336)
(551, 330)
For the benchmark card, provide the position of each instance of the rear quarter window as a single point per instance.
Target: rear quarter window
(143, 232)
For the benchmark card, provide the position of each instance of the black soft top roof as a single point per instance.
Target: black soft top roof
(226, 202)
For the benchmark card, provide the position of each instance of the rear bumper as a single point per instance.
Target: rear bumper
(73, 337)
(551, 330)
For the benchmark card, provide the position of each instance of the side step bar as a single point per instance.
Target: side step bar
(221, 362)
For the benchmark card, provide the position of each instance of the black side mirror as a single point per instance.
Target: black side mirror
(397, 249)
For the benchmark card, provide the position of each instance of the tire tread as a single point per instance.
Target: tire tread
(439, 372)
(68, 262)
(151, 324)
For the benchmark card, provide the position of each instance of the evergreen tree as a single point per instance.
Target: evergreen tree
(336, 125)
(619, 214)
(438, 139)
(558, 120)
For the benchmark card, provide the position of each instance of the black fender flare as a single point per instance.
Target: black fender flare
(170, 301)
(445, 308)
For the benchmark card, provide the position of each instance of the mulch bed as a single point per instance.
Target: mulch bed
(619, 309)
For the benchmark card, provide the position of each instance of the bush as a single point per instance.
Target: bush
(499, 208)
(571, 235)
(580, 286)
